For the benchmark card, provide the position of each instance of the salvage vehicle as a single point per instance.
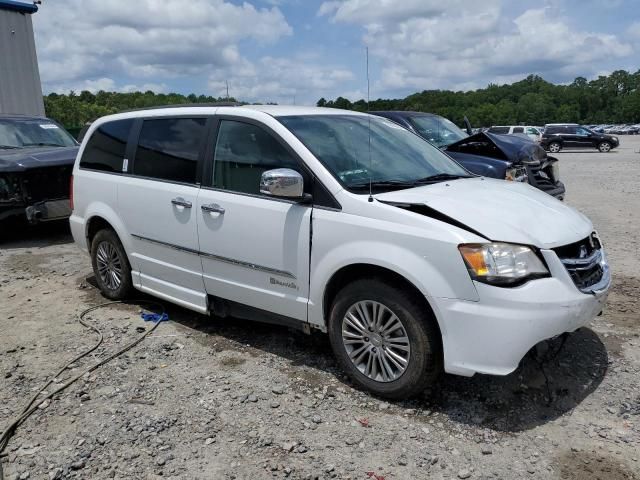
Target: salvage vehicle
(484, 153)
(334, 221)
(36, 160)
(559, 136)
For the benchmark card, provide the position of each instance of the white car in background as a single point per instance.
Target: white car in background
(534, 133)
(337, 221)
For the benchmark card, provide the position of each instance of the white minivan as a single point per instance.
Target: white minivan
(337, 221)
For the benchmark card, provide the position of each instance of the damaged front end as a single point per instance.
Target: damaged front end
(528, 162)
(39, 194)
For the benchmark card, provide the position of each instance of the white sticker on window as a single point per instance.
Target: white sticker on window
(48, 126)
(125, 164)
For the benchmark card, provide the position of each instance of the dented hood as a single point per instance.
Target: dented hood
(499, 210)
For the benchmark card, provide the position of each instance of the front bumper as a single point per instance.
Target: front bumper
(492, 336)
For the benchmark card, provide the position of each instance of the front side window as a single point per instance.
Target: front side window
(437, 130)
(243, 152)
(532, 131)
(28, 133)
(358, 149)
(168, 149)
(105, 150)
(582, 132)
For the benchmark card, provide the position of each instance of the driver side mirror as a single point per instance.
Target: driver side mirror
(282, 183)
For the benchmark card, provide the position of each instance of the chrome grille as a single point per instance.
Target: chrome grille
(586, 264)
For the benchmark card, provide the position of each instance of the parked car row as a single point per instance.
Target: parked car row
(628, 129)
(343, 222)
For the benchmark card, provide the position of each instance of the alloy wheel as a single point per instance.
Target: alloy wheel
(605, 147)
(109, 265)
(554, 148)
(376, 341)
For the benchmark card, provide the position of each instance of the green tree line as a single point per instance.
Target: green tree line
(533, 101)
(74, 110)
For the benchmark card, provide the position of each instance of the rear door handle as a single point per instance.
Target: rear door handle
(181, 202)
(213, 207)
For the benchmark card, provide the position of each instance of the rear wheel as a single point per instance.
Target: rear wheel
(110, 265)
(555, 147)
(604, 147)
(385, 339)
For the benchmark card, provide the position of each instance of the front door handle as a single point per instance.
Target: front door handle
(213, 207)
(181, 202)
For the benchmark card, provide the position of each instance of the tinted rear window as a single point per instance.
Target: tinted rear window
(499, 130)
(518, 129)
(552, 130)
(168, 149)
(105, 149)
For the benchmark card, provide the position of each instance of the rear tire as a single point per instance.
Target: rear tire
(111, 265)
(604, 147)
(555, 147)
(385, 339)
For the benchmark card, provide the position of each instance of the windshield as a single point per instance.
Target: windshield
(342, 143)
(438, 130)
(23, 133)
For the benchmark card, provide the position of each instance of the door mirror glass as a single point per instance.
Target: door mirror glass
(282, 183)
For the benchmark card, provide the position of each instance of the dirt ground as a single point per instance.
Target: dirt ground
(206, 398)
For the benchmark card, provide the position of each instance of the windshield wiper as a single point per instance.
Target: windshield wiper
(41, 144)
(440, 177)
(382, 184)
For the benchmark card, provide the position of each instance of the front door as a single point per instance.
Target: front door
(158, 203)
(254, 248)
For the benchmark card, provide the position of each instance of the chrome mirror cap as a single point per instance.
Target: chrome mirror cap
(283, 183)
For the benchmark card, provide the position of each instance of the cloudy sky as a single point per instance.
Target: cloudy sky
(278, 50)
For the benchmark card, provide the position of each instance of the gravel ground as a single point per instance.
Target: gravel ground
(210, 398)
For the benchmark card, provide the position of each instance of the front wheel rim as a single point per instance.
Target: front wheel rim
(555, 148)
(605, 147)
(109, 265)
(376, 341)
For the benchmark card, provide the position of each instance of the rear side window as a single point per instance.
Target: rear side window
(168, 149)
(105, 149)
(552, 130)
(499, 130)
(518, 129)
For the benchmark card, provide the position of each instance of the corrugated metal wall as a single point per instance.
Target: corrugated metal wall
(20, 90)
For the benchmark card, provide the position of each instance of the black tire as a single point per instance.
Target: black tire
(425, 356)
(554, 147)
(108, 239)
(604, 147)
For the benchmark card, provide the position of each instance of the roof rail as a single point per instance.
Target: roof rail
(183, 105)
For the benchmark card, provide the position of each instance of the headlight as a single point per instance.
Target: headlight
(516, 174)
(555, 170)
(502, 264)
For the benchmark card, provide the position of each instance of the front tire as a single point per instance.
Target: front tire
(385, 339)
(555, 147)
(604, 147)
(111, 265)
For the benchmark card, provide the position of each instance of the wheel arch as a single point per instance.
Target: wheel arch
(355, 271)
(101, 216)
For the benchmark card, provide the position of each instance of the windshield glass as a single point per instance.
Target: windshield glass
(438, 130)
(22, 133)
(342, 143)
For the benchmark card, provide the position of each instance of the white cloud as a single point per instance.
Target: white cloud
(81, 40)
(280, 80)
(423, 44)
